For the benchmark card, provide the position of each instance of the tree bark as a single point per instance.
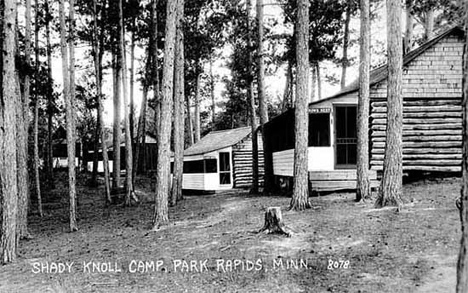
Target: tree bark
(345, 61)
(37, 182)
(212, 92)
(132, 91)
(164, 134)
(189, 121)
(117, 131)
(22, 141)
(68, 73)
(129, 192)
(274, 222)
(9, 101)
(319, 80)
(141, 131)
(408, 40)
(50, 102)
(313, 82)
(98, 42)
(462, 265)
(262, 103)
(429, 25)
(197, 106)
(362, 168)
(300, 197)
(287, 95)
(179, 89)
(253, 115)
(391, 185)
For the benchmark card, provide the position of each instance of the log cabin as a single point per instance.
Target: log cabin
(432, 122)
(221, 160)
(332, 145)
(432, 111)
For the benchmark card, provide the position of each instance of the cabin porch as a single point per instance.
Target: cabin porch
(334, 180)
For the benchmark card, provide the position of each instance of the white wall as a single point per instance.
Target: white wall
(319, 158)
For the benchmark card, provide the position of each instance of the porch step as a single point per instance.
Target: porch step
(338, 180)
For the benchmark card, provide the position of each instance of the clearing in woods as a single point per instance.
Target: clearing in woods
(210, 246)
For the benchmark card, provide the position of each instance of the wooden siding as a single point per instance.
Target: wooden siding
(338, 180)
(432, 117)
(193, 181)
(242, 162)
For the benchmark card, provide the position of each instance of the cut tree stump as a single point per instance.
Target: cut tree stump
(274, 222)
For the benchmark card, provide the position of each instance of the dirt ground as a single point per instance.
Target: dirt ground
(211, 245)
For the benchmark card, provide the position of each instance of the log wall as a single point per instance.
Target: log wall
(432, 117)
(242, 162)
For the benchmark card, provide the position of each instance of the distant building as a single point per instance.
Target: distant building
(221, 160)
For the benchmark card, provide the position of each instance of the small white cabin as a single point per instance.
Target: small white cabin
(221, 160)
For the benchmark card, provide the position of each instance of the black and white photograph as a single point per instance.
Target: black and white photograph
(234, 146)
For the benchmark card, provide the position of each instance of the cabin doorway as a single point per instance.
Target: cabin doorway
(345, 136)
(224, 168)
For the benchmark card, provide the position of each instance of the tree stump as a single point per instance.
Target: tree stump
(274, 222)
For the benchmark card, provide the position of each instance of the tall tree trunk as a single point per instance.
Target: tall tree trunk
(68, 73)
(313, 82)
(156, 80)
(179, 89)
(141, 129)
(391, 185)
(262, 103)
(462, 265)
(197, 106)
(164, 134)
(98, 53)
(319, 80)
(253, 115)
(300, 197)
(132, 91)
(50, 101)
(429, 25)
(129, 193)
(363, 183)
(287, 88)
(97, 132)
(188, 112)
(345, 61)
(408, 41)
(9, 101)
(117, 131)
(212, 91)
(22, 141)
(37, 182)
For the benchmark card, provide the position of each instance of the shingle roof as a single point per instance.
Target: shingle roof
(216, 140)
(380, 73)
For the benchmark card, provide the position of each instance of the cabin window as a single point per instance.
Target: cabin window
(194, 166)
(319, 129)
(198, 166)
(210, 166)
(224, 168)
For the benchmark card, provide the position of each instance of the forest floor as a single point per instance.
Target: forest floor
(211, 245)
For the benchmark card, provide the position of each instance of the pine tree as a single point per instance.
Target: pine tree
(163, 158)
(391, 185)
(179, 89)
(462, 265)
(9, 100)
(300, 197)
(363, 183)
